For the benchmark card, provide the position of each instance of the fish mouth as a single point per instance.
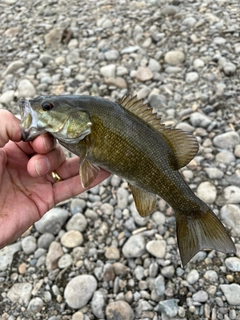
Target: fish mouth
(29, 121)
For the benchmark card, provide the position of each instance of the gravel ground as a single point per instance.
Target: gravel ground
(93, 257)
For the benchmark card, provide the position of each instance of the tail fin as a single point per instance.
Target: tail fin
(201, 231)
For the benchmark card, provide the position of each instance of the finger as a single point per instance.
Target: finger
(40, 165)
(43, 143)
(72, 187)
(9, 129)
(69, 168)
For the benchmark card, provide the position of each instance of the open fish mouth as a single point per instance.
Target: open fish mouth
(29, 121)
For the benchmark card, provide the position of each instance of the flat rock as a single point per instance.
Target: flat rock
(54, 253)
(108, 71)
(13, 67)
(52, 221)
(72, 239)
(77, 222)
(134, 246)
(119, 310)
(200, 296)
(225, 156)
(144, 74)
(214, 173)
(174, 57)
(157, 248)
(79, 291)
(20, 293)
(226, 140)
(169, 307)
(118, 82)
(98, 304)
(230, 215)
(6, 255)
(232, 293)
(200, 120)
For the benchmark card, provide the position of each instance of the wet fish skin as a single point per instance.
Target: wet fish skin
(129, 141)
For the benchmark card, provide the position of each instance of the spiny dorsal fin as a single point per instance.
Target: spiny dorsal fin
(183, 145)
(142, 111)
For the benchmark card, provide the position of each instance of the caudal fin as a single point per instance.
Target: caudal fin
(203, 231)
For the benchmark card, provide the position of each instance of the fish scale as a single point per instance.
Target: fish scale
(127, 139)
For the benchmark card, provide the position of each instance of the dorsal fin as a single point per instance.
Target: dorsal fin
(183, 145)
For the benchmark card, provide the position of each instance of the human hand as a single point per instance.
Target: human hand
(27, 189)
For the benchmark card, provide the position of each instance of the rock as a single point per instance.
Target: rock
(77, 222)
(120, 269)
(198, 63)
(193, 276)
(72, 239)
(29, 244)
(112, 55)
(122, 198)
(174, 57)
(207, 192)
(53, 38)
(129, 49)
(230, 215)
(159, 284)
(20, 293)
(79, 291)
(65, 261)
(112, 253)
(7, 97)
(200, 120)
(13, 67)
(134, 247)
(6, 255)
(136, 216)
(214, 173)
(169, 307)
(117, 82)
(108, 71)
(236, 150)
(45, 240)
(200, 296)
(232, 194)
(189, 22)
(108, 272)
(225, 157)
(168, 271)
(157, 248)
(157, 101)
(191, 77)
(229, 69)
(119, 310)
(169, 10)
(211, 275)
(35, 305)
(98, 304)
(53, 255)
(52, 221)
(144, 74)
(232, 293)
(154, 65)
(226, 140)
(233, 264)
(26, 89)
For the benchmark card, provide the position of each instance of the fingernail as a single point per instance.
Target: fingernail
(42, 166)
(48, 141)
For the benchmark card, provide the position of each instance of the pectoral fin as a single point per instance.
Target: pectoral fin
(145, 201)
(88, 173)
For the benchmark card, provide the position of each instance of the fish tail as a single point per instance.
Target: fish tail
(203, 231)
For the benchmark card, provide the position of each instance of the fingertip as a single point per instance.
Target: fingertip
(44, 143)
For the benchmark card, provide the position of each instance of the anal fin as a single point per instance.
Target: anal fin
(145, 201)
(88, 173)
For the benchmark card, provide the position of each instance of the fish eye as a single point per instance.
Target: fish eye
(47, 106)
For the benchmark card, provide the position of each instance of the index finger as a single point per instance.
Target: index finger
(9, 128)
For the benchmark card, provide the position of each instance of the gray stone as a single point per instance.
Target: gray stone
(211, 275)
(72, 239)
(226, 140)
(200, 296)
(139, 272)
(77, 222)
(200, 120)
(122, 198)
(154, 65)
(207, 192)
(237, 151)
(144, 74)
(52, 221)
(174, 57)
(169, 307)
(189, 22)
(6, 255)
(20, 293)
(29, 244)
(13, 67)
(214, 173)
(159, 218)
(79, 291)
(225, 157)
(230, 215)
(77, 205)
(112, 55)
(232, 194)
(26, 89)
(130, 49)
(233, 264)
(159, 284)
(157, 248)
(157, 101)
(112, 253)
(35, 305)
(119, 310)
(193, 276)
(45, 240)
(65, 261)
(168, 271)
(53, 38)
(98, 304)
(54, 253)
(7, 97)
(191, 77)
(108, 71)
(232, 293)
(169, 10)
(134, 246)
(229, 69)
(198, 63)
(136, 216)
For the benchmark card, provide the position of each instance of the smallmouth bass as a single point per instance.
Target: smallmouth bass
(127, 139)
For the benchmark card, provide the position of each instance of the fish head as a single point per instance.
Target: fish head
(56, 115)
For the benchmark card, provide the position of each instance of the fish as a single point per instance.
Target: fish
(128, 139)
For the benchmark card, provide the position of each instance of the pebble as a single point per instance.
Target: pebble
(77, 222)
(119, 310)
(118, 82)
(232, 194)
(229, 69)
(134, 247)
(136, 216)
(7, 97)
(174, 57)
(35, 305)
(200, 120)
(29, 244)
(169, 307)
(79, 290)
(232, 293)
(122, 198)
(54, 253)
(211, 275)
(230, 215)
(26, 89)
(52, 221)
(112, 55)
(20, 293)
(233, 264)
(191, 77)
(198, 63)
(237, 151)
(65, 261)
(45, 240)
(144, 74)
(159, 284)
(200, 296)
(214, 173)
(72, 239)
(169, 10)
(108, 71)
(207, 192)
(112, 253)
(6, 255)
(77, 205)
(53, 38)
(98, 304)
(225, 156)
(193, 276)
(157, 248)
(189, 22)
(226, 140)
(168, 272)
(13, 67)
